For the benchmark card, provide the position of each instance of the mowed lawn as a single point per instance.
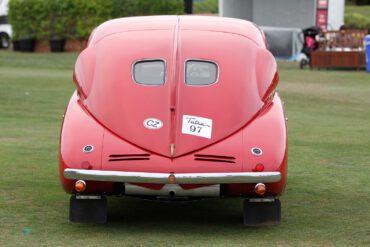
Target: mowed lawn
(327, 200)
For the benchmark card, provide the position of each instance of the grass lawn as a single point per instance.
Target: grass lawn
(327, 201)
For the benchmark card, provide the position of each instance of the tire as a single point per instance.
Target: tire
(258, 212)
(4, 40)
(88, 209)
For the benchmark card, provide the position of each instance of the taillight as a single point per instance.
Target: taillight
(259, 168)
(260, 189)
(80, 186)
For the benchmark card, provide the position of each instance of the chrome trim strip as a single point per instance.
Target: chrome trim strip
(180, 178)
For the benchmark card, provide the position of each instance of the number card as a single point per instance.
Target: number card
(197, 126)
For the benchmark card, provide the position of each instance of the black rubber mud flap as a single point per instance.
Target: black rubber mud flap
(88, 209)
(259, 212)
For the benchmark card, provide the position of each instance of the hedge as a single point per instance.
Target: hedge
(206, 6)
(75, 19)
(357, 21)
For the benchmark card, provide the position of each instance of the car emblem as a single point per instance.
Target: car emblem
(256, 151)
(153, 123)
(88, 148)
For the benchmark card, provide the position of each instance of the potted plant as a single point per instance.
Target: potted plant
(28, 28)
(15, 39)
(27, 43)
(20, 15)
(58, 23)
(16, 46)
(14, 20)
(57, 44)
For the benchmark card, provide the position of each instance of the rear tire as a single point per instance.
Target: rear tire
(258, 212)
(88, 209)
(4, 40)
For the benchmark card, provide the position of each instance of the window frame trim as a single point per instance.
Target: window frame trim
(149, 60)
(201, 60)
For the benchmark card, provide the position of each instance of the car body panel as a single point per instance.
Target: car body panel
(109, 109)
(131, 103)
(267, 131)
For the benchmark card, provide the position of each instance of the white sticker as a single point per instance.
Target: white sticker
(197, 126)
(153, 123)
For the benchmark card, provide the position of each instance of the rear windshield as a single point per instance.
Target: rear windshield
(200, 73)
(149, 72)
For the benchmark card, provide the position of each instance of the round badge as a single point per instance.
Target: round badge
(153, 123)
(256, 151)
(88, 148)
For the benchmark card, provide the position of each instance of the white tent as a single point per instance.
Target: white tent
(282, 20)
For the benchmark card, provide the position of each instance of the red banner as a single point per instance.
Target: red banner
(322, 14)
(322, 19)
(322, 4)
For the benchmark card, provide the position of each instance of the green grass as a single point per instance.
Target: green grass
(328, 192)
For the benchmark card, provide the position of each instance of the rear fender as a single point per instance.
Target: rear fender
(266, 73)
(267, 132)
(83, 74)
(78, 130)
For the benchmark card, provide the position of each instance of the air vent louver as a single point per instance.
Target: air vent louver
(214, 158)
(128, 157)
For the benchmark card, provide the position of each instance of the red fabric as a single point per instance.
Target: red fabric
(310, 42)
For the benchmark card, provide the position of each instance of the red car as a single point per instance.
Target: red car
(175, 108)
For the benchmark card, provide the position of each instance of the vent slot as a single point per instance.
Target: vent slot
(214, 158)
(128, 157)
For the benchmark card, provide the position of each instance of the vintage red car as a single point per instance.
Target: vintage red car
(175, 108)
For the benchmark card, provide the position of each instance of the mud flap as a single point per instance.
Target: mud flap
(262, 212)
(88, 209)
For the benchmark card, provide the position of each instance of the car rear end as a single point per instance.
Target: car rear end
(189, 113)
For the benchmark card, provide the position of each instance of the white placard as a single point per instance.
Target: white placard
(197, 126)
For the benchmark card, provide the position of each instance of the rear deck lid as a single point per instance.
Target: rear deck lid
(171, 90)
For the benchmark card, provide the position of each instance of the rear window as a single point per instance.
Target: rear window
(200, 73)
(149, 72)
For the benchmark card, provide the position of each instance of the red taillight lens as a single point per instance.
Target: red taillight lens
(259, 168)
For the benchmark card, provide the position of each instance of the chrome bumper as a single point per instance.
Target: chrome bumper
(176, 178)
